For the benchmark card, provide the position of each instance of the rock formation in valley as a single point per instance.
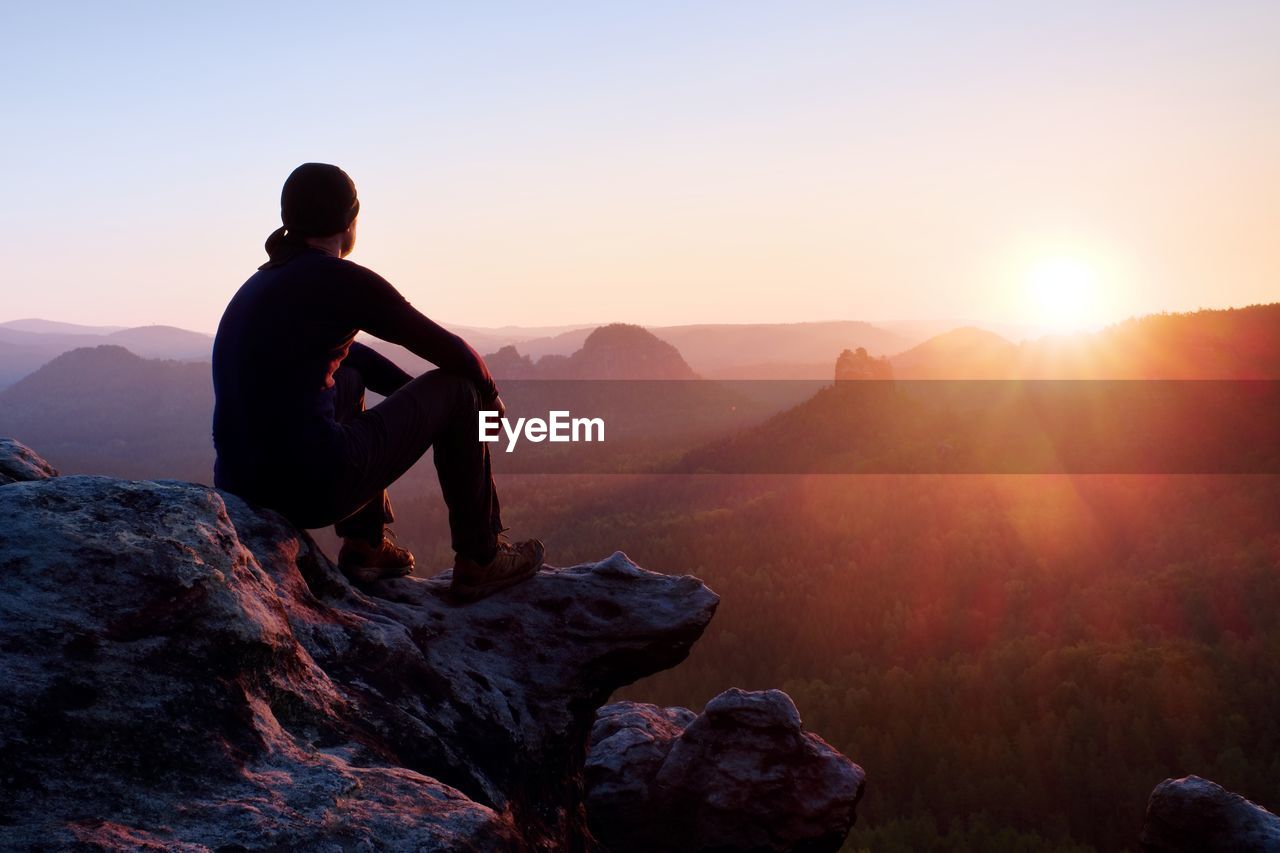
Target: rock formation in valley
(742, 775)
(1194, 815)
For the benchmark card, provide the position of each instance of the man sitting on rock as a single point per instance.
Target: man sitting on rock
(289, 422)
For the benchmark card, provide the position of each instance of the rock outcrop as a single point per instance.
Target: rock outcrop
(1194, 815)
(615, 351)
(742, 775)
(183, 671)
(180, 668)
(19, 463)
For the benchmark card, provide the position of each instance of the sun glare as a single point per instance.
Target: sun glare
(1065, 292)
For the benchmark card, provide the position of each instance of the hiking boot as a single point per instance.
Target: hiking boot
(363, 562)
(510, 565)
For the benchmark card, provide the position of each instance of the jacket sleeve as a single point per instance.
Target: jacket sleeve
(379, 309)
(380, 373)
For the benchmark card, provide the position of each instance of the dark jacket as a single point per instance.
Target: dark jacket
(280, 340)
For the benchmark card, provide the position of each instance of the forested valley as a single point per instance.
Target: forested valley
(1015, 660)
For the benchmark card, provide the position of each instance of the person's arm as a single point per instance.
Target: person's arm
(381, 374)
(379, 309)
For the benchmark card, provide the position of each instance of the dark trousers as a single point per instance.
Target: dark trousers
(437, 410)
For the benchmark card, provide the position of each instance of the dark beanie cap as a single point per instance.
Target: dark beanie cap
(318, 199)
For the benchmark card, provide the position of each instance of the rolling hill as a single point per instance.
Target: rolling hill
(1232, 343)
(35, 324)
(27, 344)
(720, 351)
(965, 353)
(716, 351)
(616, 351)
(1216, 424)
(105, 410)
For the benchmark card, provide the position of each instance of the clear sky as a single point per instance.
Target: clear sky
(655, 162)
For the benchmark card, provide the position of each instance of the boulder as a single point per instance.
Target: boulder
(743, 775)
(184, 671)
(1194, 815)
(19, 463)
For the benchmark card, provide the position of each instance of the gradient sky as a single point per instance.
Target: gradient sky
(544, 163)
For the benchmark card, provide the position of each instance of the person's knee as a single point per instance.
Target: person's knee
(466, 389)
(456, 388)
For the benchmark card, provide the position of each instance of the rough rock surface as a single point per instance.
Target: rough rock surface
(1194, 814)
(182, 671)
(19, 463)
(742, 775)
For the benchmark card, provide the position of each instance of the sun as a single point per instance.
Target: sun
(1064, 291)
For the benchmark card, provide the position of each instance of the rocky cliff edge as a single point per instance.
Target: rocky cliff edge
(182, 671)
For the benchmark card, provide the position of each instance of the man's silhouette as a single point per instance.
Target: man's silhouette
(289, 422)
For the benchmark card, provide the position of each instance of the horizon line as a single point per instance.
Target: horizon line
(564, 328)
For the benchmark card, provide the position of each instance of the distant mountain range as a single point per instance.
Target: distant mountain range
(27, 344)
(714, 351)
(763, 350)
(616, 351)
(1232, 343)
(105, 410)
(966, 353)
(34, 324)
(727, 350)
(1023, 427)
